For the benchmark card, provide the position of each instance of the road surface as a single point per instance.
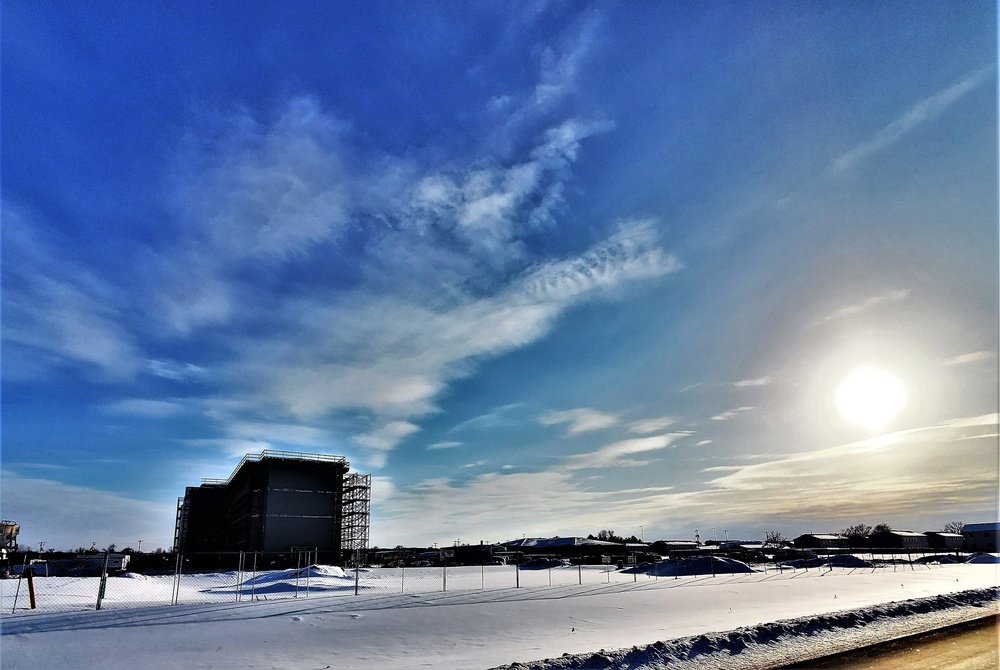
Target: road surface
(970, 646)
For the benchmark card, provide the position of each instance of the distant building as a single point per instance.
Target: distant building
(898, 539)
(942, 540)
(10, 531)
(819, 541)
(577, 549)
(277, 501)
(674, 546)
(982, 536)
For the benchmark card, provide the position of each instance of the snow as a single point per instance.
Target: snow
(636, 621)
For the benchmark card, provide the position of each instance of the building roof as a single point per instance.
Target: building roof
(558, 542)
(902, 533)
(823, 536)
(941, 533)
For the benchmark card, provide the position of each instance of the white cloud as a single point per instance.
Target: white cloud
(277, 433)
(655, 425)
(618, 454)
(924, 111)
(758, 381)
(57, 313)
(971, 357)
(447, 444)
(385, 437)
(497, 507)
(580, 420)
(66, 516)
(949, 464)
(174, 370)
(868, 303)
(231, 446)
(730, 414)
(703, 443)
(939, 469)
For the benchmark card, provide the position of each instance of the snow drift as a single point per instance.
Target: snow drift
(736, 649)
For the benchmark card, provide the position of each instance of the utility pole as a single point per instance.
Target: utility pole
(139, 548)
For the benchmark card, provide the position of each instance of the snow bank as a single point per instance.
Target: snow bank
(699, 565)
(469, 626)
(988, 559)
(777, 643)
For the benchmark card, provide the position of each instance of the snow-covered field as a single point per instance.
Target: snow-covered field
(481, 622)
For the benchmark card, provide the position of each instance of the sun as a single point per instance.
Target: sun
(870, 397)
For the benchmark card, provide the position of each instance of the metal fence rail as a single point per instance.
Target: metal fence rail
(253, 577)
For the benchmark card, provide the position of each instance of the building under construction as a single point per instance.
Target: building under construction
(278, 501)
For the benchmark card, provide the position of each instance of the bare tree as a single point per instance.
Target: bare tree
(857, 532)
(954, 527)
(882, 528)
(775, 538)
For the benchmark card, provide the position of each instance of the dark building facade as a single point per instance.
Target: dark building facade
(898, 539)
(277, 501)
(982, 536)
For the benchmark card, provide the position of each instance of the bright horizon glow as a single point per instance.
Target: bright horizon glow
(870, 397)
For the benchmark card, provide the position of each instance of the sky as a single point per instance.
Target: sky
(541, 268)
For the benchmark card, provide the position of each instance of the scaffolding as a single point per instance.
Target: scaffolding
(357, 505)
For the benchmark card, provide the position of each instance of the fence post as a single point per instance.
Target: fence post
(31, 587)
(579, 573)
(20, 576)
(517, 576)
(239, 576)
(178, 569)
(103, 584)
(444, 576)
(253, 579)
(483, 577)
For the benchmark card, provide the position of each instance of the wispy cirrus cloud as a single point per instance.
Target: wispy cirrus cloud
(620, 454)
(867, 304)
(445, 444)
(731, 414)
(66, 516)
(923, 112)
(58, 313)
(655, 425)
(750, 383)
(971, 357)
(580, 420)
(910, 474)
(326, 283)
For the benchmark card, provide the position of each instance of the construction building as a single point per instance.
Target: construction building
(278, 501)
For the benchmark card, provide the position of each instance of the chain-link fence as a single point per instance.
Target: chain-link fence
(103, 582)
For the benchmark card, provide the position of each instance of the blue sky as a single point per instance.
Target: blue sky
(541, 268)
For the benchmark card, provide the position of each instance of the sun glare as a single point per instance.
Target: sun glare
(870, 397)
